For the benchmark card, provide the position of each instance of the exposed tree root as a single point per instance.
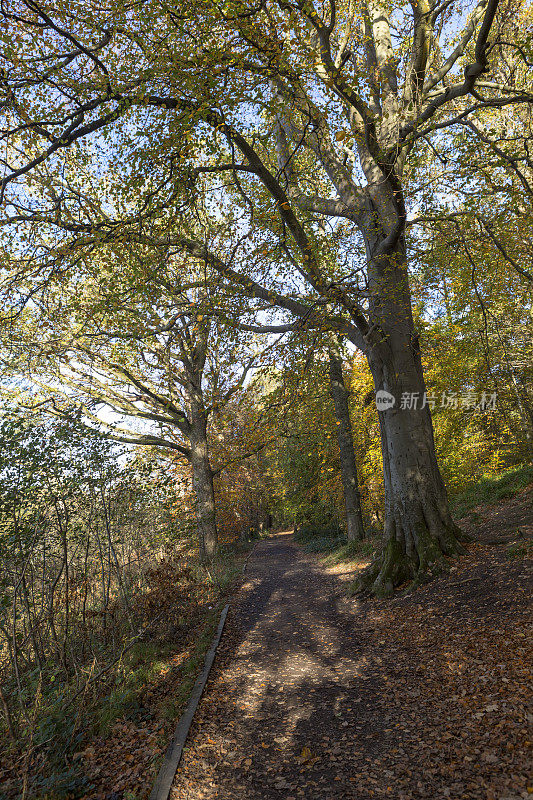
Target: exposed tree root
(394, 566)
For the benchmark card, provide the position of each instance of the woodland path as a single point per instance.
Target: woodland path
(308, 700)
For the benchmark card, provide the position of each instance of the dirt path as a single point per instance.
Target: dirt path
(314, 695)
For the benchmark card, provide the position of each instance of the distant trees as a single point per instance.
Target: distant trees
(309, 461)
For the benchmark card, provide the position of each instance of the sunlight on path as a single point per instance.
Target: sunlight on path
(293, 674)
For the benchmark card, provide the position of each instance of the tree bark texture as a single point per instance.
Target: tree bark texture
(350, 483)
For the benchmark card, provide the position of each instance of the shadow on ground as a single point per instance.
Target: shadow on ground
(306, 699)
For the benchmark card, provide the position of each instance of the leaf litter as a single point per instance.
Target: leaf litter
(315, 695)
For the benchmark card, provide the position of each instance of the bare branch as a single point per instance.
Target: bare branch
(471, 74)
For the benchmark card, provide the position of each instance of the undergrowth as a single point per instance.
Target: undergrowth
(67, 714)
(332, 545)
(492, 488)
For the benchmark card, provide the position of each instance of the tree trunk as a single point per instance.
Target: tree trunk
(202, 480)
(352, 498)
(418, 530)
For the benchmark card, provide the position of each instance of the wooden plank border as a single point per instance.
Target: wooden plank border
(165, 777)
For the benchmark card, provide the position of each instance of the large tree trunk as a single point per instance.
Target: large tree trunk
(419, 531)
(202, 479)
(352, 499)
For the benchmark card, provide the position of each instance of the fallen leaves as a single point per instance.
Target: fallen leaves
(423, 696)
(307, 757)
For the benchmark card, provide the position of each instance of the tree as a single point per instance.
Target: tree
(355, 528)
(473, 256)
(153, 354)
(317, 80)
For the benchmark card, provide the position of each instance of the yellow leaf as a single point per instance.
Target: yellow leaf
(305, 755)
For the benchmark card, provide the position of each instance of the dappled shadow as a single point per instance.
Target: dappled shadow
(321, 697)
(295, 698)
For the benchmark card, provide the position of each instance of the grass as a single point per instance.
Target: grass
(172, 706)
(352, 551)
(328, 542)
(141, 666)
(491, 489)
(146, 664)
(226, 567)
(332, 546)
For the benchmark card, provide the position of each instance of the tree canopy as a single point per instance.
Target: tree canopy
(310, 165)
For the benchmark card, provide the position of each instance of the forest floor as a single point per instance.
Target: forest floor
(126, 723)
(316, 695)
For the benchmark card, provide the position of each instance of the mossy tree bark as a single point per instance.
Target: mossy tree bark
(419, 533)
(350, 481)
(202, 472)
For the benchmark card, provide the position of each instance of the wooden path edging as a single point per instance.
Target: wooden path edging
(165, 777)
